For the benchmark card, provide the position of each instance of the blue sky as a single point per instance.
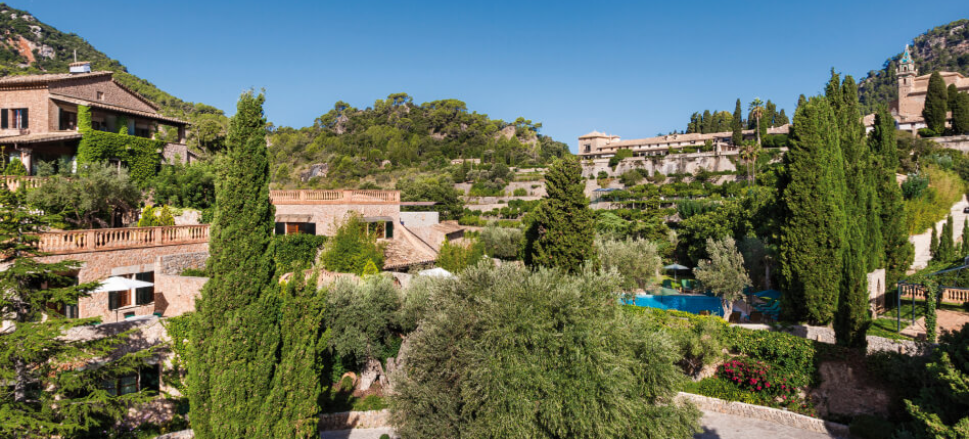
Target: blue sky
(633, 69)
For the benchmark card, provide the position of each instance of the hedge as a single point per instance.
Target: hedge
(296, 251)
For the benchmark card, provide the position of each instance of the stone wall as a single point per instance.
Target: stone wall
(420, 219)
(960, 143)
(177, 263)
(38, 114)
(348, 420)
(670, 164)
(777, 416)
(328, 217)
(175, 295)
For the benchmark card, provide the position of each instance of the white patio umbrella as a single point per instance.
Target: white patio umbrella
(117, 283)
(675, 268)
(435, 272)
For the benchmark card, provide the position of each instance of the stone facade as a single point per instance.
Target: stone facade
(103, 264)
(176, 295)
(175, 264)
(601, 145)
(88, 87)
(328, 217)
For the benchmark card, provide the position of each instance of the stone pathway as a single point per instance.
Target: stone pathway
(715, 425)
(922, 241)
(945, 321)
(721, 426)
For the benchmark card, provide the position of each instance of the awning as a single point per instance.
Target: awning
(293, 218)
(377, 219)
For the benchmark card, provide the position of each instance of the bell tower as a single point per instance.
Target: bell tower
(906, 74)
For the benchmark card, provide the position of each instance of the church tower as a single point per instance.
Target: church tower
(906, 74)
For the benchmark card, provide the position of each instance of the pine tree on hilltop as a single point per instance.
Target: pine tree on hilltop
(883, 144)
(235, 335)
(562, 228)
(812, 228)
(935, 104)
(737, 125)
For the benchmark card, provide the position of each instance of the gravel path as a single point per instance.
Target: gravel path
(715, 425)
(922, 241)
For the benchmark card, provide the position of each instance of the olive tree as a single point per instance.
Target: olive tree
(578, 366)
(636, 260)
(724, 272)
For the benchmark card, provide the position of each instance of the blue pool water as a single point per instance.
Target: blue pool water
(690, 304)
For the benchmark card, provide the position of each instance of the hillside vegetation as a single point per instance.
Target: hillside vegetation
(377, 143)
(943, 48)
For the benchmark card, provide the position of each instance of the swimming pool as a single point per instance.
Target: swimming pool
(690, 304)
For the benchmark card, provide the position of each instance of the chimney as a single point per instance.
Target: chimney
(81, 67)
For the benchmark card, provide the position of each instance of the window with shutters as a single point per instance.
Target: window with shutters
(119, 299)
(18, 118)
(68, 120)
(146, 378)
(146, 295)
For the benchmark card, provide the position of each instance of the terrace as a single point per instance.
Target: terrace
(96, 240)
(334, 197)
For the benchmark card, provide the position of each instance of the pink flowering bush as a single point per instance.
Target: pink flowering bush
(755, 376)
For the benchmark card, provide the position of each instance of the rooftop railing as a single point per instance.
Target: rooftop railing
(334, 197)
(93, 240)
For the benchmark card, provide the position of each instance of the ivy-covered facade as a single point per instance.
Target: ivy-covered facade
(70, 119)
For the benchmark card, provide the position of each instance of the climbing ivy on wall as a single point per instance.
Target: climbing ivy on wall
(140, 154)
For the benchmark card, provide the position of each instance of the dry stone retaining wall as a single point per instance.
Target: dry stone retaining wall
(825, 334)
(177, 263)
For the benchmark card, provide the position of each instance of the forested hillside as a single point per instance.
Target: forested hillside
(396, 134)
(31, 47)
(944, 48)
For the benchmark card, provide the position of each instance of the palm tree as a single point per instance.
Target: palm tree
(753, 150)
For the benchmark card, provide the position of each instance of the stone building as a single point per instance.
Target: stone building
(600, 145)
(907, 109)
(39, 114)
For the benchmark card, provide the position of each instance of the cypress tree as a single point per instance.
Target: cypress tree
(951, 95)
(863, 251)
(737, 125)
(934, 244)
(782, 118)
(960, 114)
(950, 241)
(935, 104)
(561, 230)
(707, 124)
(812, 228)
(235, 334)
(965, 230)
(883, 145)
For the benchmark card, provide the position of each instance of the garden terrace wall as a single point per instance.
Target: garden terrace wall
(349, 420)
(824, 334)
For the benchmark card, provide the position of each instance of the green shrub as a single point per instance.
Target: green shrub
(621, 155)
(456, 257)
(153, 216)
(16, 167)
(871, 427)
(602, 175)
(368, 403)
(352, 247)
(793, 355)
(721, 389)
(520, 192)
(346, 384)
(471, 220)
(914, 186)
(296, 251)
(194, 272)
(501, 242)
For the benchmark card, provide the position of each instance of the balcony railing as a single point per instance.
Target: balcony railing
(334, 197)
(92, 240)
(949, 295)
(15, 182)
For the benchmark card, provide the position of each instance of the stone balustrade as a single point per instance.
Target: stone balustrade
(93, 240)
(949, 295)
(334, 197)
(15, 182)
